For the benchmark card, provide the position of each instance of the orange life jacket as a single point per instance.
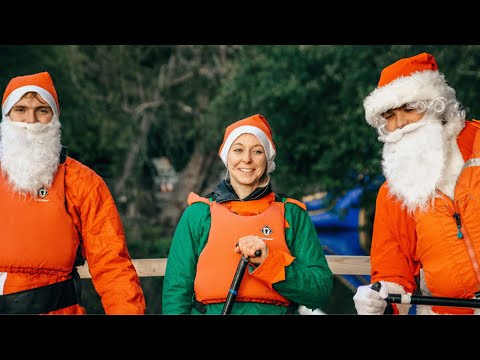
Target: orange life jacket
(217, 262)
(38, 240)
(37, 235)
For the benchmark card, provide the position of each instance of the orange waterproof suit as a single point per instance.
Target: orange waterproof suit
(39, 239)
(444, 241)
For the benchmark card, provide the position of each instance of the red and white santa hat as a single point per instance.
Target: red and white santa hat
(40, 83)
(256, 125)
(407, 80)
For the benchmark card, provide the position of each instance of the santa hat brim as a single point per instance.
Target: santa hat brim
(262, 137)
(17, 94)
(421, 85)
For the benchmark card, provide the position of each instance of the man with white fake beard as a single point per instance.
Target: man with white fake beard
(55, 212)
(426, 232)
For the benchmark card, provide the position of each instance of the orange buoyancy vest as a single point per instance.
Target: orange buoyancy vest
(218, 262)
(448, 244)
(38, 240)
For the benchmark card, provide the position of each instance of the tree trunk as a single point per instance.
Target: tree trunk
(199, 176)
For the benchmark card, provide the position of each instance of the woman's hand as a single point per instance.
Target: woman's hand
(248, 245)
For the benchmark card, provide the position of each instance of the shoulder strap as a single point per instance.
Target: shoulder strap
(296, 202)
(285, 199)
(193, 198)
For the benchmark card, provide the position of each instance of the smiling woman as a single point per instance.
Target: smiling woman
(240, 217)
(246, 163)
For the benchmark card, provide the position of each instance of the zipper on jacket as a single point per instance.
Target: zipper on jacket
(468, 244)
(456, 216)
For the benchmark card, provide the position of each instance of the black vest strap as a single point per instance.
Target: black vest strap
(200, 307)
(41, 300)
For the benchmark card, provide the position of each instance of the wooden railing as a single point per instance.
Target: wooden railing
(340, 265)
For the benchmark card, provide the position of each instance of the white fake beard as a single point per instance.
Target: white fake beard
(29, 154)
(413, 162)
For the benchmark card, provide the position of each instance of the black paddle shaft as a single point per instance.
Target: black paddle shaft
(237, 280)
(430, 300)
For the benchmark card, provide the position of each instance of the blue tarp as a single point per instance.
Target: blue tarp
(344, 214)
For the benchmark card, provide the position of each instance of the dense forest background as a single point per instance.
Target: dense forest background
(123, 107)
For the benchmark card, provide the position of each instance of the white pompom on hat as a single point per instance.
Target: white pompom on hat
(256, 125)
(40, 83)
(407, 80)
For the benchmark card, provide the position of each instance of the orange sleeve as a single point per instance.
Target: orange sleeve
(392, 253)
(98, 222)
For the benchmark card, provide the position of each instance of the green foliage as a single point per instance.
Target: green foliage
(312, 95)
(148, 245)
(313, 98)
(17, 60)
